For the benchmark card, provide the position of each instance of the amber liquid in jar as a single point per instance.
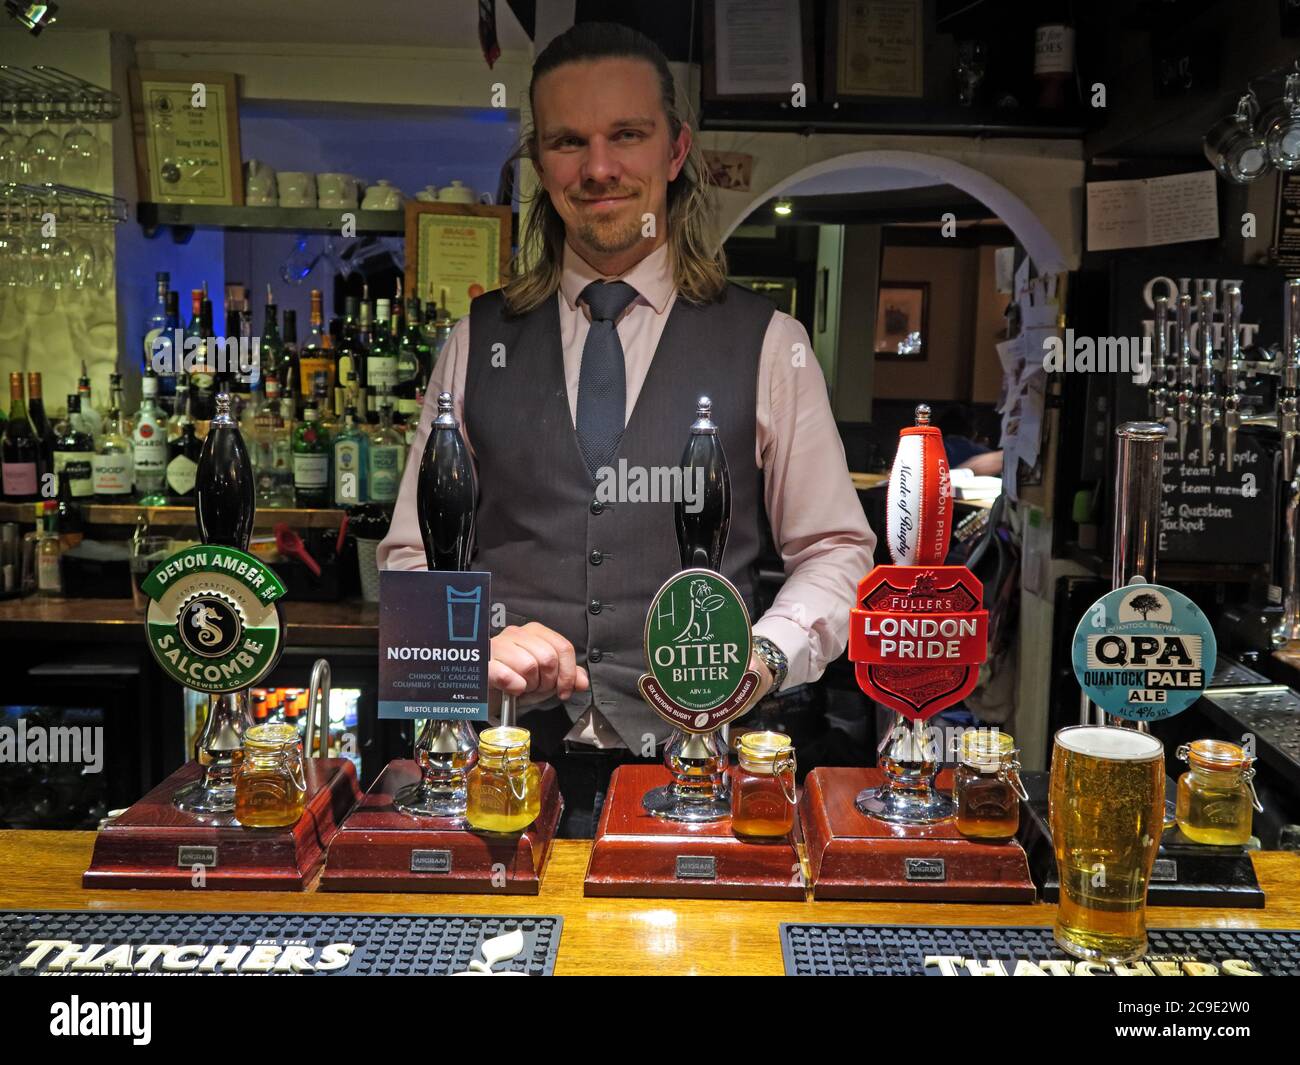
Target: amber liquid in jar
(1215, 795)
(987, 807)
(270, 788)
(504, 790)
(761, 789)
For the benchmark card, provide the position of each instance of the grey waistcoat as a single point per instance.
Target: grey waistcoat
(556, 556)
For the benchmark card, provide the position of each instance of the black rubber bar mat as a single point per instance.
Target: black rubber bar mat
(76, 942)
(903, 950)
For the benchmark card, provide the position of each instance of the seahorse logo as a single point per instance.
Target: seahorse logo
(699, 625)
(201, 619)
(209, 625)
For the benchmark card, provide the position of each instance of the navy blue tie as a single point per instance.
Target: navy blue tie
(602, 382)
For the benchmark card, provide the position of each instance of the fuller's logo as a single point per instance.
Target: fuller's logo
(697, 646)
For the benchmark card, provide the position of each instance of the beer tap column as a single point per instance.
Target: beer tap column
(1289, 392)
(1158, 393)
(1233, 366)
(445, 500)
(1186, 394)
(1209, 414)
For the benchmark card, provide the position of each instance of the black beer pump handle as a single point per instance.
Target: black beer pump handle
(224, 495)
(703, 510)
(446, 496)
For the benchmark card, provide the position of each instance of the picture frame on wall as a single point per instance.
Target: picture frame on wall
(186, 127)
(901, 322)
(875, 49)
(456, 251)
(758, 50)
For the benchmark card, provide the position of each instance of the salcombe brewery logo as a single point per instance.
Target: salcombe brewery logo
(1144, 652)
(1150, 965)
(213, 622)
(697, 646)
(65, 957)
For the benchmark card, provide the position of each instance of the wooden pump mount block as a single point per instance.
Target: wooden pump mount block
(380, 848)
(853, 856)
(156, 845)
(638, 855)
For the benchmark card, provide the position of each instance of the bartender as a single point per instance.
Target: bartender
(590, 360)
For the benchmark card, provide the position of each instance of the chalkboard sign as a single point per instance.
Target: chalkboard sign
(1207, 514)
(1286, 234)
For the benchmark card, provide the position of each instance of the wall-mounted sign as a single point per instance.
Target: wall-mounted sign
(1144, 652)
(187, 136)
(877, 49)
(433, 644)
(455, 252)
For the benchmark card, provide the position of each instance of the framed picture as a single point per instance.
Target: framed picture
(900, 320)
(455, 251)
(874, 48)
(758, 50)
(186, 126)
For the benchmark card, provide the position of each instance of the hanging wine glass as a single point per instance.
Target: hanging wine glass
(79, 163)
(14, 268)
(83, 268)
(43, 147)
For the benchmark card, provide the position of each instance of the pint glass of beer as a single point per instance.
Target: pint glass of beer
(1107, 813)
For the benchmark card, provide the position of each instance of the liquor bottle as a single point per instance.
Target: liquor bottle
(117, 402)
(68, 518)
(232, 374)
(381, 360)
(21, 451)
(351, 355)
(702, 535)
(149, 442)
(155, 325)
(282, 451)
(387, 455)
(351, 459)
(287, 370)
(316, 356)
(440, 329)
(73, 454)
(167, 356)
(329, 421)
(1054, 58)
(224, 489)
(112, 467)
(414, 364)
(203, 380)
(183, 457)
(311, 460)
(273, 472)
(445, 493)
(91, 420)
(41, 424)
(49, 572)
(181, 408)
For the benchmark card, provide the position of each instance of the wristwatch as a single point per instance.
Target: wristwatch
(775, 660)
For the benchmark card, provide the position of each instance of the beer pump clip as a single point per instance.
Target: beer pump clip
(919, 632)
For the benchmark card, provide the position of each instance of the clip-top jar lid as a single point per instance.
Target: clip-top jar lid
(1217, 755)
(763, 747)
(985, 748)
(504, 741)
(271, 735)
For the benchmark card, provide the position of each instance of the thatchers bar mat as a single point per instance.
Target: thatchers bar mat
(76, 942)
(912, 950)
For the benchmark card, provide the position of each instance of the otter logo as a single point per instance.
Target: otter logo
(209, 626)
(699, 624)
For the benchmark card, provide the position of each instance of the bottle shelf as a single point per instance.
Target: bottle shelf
(153, 216)
(172, 517)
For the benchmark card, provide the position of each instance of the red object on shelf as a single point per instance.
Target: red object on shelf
(156, 845)
(853, 856)
(639, 855)
(380, 848)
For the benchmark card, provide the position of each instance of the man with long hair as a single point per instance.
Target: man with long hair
(617, 317)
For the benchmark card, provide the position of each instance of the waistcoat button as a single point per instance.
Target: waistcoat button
(594, 606)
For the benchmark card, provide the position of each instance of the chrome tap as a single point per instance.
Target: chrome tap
(1289, 628)
(1288, 396)
(1186, 372)
(1208, 414)
(1158, 391)
(1233, 365)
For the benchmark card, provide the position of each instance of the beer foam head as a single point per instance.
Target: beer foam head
(1105, 741)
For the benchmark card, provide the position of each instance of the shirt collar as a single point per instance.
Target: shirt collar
(652, 277)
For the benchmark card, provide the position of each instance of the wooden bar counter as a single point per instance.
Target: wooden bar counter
(601, 936)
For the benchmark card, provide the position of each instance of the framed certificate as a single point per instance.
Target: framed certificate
(874, 48)
(758, 50)
(186, 127)
(455, 251)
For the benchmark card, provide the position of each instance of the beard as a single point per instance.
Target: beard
(610, 235)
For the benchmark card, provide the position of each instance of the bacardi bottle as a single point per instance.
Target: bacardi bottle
(149, 441)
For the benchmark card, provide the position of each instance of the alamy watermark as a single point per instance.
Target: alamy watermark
(26, 744)
(1075, 354)
(181, 354)
(651, 484)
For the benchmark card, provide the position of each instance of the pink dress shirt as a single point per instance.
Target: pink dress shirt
(817, 522)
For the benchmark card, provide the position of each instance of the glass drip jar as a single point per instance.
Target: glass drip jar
(762, 788)
(1216, 793)
(987, 787)
(504, 790)
(270, 788)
